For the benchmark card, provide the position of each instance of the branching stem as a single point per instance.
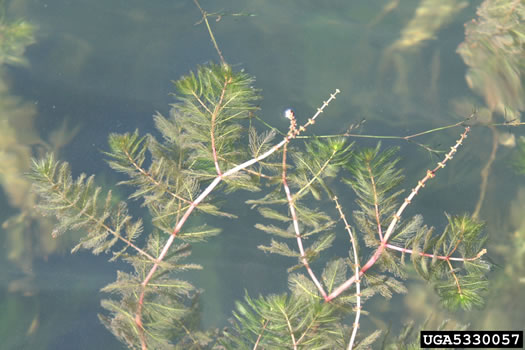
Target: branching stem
(97, 222)
(151, 178)
(201, 197)
(315, 177)
(433, 256)
(295, 221)
(290, 329)
(212, 37)
(260, 335)
(353, 241)
(397, 216)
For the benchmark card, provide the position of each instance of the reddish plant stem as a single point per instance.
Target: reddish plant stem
(376, 204)
(397, 216)
(291, 206)
(353, 240)
(260, 335)
(212, 128)
(440, 257)
(447, 258)
(249, 171)
(201, 197)
(456, 280)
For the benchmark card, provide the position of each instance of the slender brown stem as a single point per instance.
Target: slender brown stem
(485, 172)
(212, 37)
(455, 277)
(408, 138)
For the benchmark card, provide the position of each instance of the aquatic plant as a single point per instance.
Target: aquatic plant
(493, 51)
(15, 36)
(201, 158)
(400, 65)
(24, 232)
(209, 149)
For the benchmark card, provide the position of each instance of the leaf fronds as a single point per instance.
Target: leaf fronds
(79, 204)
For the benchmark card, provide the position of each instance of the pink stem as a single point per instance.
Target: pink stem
(440, 257)
(397, 216)
(200, 198)
(296, 222)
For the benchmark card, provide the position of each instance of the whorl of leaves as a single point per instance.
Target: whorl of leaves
(202, 138)
(166, 176)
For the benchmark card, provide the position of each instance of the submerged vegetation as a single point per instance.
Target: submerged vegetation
(493, 50)
(208, 151)
(201, 159)
(24, 237)
(306, 193)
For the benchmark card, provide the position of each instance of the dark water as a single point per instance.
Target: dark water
(108, 66)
